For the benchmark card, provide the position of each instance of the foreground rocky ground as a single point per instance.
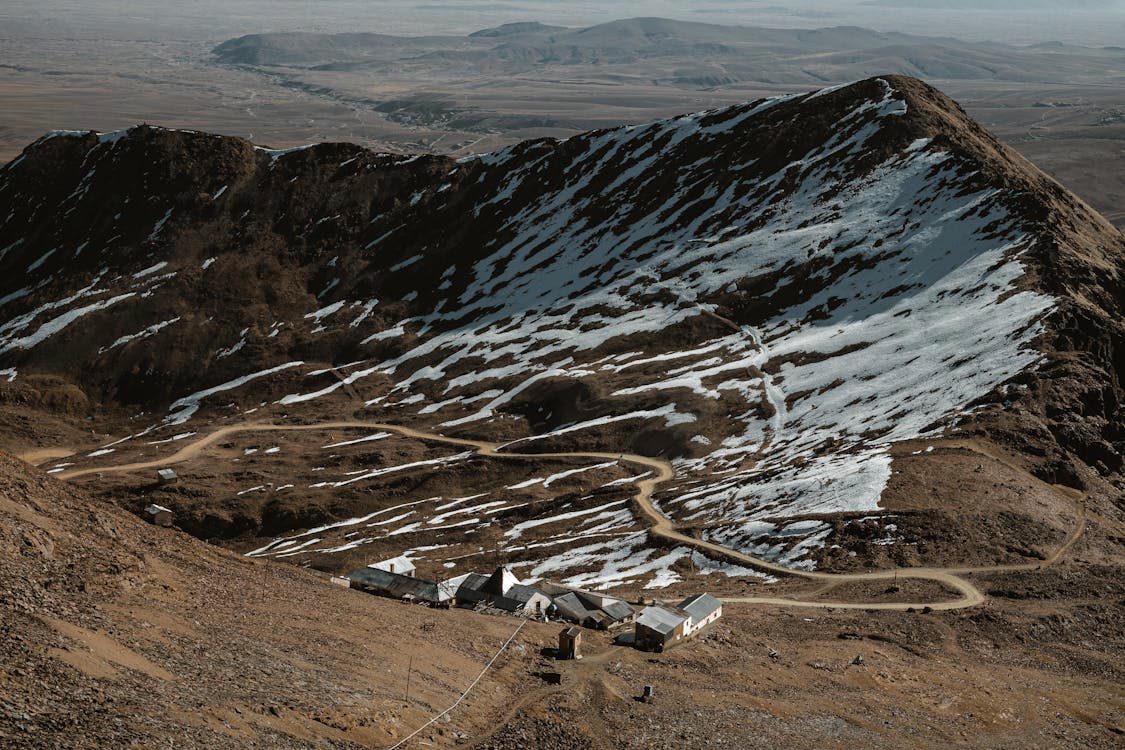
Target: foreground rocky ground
(120, 634)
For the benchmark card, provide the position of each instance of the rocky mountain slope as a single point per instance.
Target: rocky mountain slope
(786, 299)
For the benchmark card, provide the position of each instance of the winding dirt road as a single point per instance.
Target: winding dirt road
(661, 525)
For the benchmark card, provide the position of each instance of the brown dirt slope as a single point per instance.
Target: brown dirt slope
(115, 633)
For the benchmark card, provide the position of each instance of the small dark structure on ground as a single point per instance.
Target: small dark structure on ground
(570, 643)
(167, 476)
(159, 515)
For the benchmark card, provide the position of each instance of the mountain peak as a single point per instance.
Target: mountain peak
(772, 294)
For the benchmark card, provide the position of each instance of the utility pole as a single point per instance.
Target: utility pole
(409, 669)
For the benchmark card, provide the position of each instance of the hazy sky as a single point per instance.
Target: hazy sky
(1101, 22)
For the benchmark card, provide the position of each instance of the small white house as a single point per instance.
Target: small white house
(400, 565)
(703, 609)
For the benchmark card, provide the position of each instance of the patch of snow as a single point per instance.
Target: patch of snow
(42, 259)
(366, 439)
(390, 469)
(159, 227)
(183, 409)
(324, 312)
(404, 264)
(150, 270)
(57, 324)
(143, 334)
(236, 347)
(173, 439)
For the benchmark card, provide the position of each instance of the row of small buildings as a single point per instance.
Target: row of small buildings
(658, 626)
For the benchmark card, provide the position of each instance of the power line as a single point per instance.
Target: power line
(456, 703)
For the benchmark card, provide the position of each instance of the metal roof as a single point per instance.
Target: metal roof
(700, 606)
(618, 611)
(524, 594)
(400, 564)
(395, 584)
(166, 474)
(477, 588)
(472, 582)
(571, 607)
(501, 582)
(660, 619)
(154, 509)
(448, 589)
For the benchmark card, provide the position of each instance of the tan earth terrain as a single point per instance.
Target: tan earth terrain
(149, 637)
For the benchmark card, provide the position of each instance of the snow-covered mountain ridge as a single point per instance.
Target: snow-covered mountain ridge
(771, 295)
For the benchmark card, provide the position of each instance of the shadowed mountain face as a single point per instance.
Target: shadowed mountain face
(773, 295)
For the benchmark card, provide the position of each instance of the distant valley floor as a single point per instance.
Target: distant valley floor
(1073, 131)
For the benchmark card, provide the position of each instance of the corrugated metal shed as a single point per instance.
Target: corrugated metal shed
(522, 593)
(661, 620)
(619, 611)
(471, 583)
(159, 515)
(571, 607)
(517, 597)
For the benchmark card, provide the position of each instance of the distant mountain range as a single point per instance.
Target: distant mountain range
(693, 55)
(1012, 5)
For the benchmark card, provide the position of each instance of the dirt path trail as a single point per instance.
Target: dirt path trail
(661, 525)
(43, 455)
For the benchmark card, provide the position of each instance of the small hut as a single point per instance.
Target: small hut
(167, 476)
(159, 515)
(570, 643)
(659, 627)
